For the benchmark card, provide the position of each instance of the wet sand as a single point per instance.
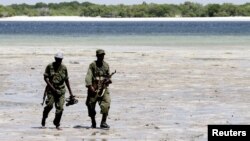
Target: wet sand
(158, 93)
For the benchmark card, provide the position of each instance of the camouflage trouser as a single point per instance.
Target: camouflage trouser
(103, 101)
(58, 99)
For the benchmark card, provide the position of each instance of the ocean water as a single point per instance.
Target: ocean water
(153, 33)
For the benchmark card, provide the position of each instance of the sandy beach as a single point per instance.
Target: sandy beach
(157, 94)
(161, 92)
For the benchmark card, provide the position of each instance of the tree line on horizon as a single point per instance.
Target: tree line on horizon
(87, 9)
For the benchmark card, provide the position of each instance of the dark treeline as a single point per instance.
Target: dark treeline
(187, 9)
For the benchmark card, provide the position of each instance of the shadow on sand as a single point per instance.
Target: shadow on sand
(40, 127)
(76, 127)
(88, 127)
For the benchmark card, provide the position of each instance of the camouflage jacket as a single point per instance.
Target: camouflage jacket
(57, 77)
(96, 73)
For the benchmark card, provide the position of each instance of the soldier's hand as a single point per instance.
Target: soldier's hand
(55, 91)
(71, 96)
(91, 89)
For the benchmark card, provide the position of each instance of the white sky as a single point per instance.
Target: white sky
(108, 2)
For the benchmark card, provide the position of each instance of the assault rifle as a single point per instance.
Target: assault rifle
(44, 95)
(102, 86)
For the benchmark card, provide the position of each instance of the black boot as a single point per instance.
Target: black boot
(93, 122)
(103, 123)
(45, 115)
(43, 121)
(57, 120)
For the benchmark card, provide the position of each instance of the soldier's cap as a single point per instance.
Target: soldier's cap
(100, 51)
(59, 55)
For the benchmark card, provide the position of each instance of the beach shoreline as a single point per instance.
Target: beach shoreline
(165, 88)
(78, 18)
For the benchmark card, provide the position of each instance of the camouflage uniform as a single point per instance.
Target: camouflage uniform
(94, 75)
(57, 79)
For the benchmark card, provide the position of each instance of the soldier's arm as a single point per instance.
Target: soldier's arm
(46, 78)
(108, 70)
(88, 79)
(109, 78)
(89, 76)
(68, 86)
(67, 81)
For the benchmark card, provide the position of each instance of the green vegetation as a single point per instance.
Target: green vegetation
(187, 9)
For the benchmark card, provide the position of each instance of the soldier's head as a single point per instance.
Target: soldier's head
(58, 58)
(100, 54)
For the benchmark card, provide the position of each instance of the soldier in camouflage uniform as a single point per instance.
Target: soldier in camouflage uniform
(55, 75)
(96, 72)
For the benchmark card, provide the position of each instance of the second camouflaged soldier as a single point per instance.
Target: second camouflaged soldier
(97, 71)
(55, 76)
